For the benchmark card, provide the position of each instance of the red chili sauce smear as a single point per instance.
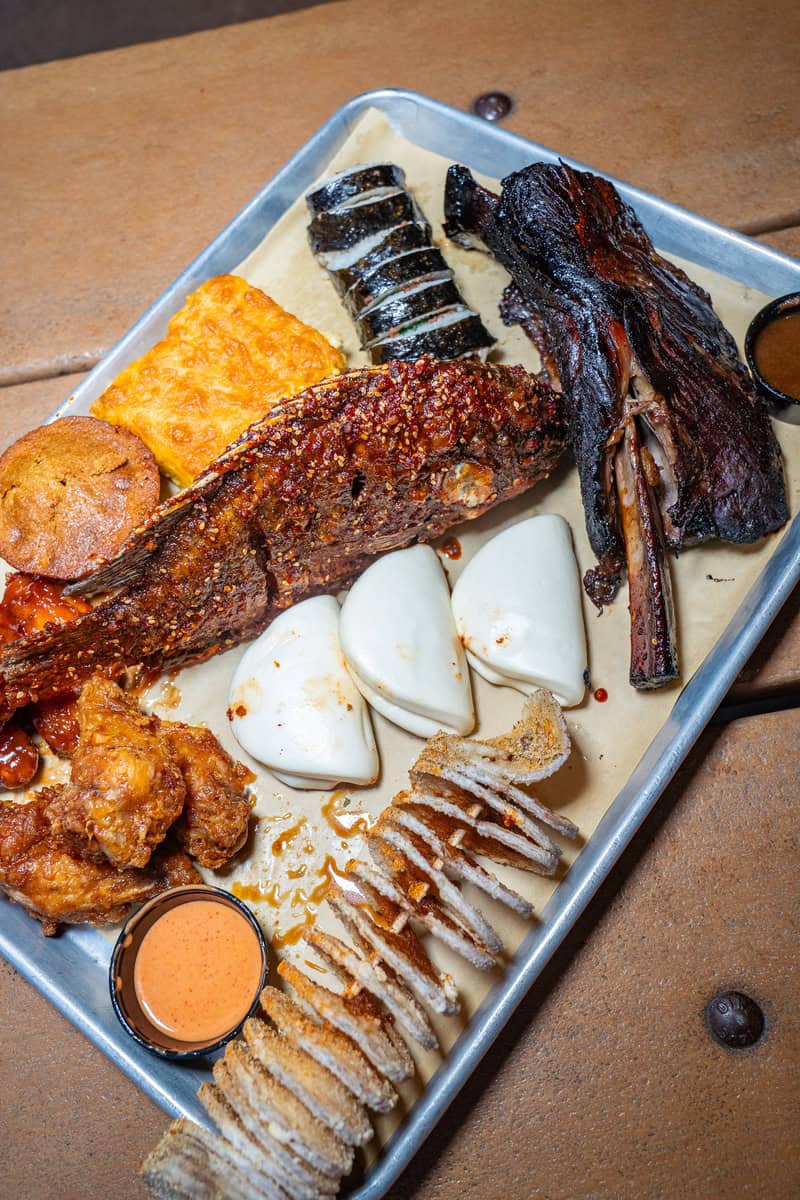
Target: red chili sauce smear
(19, 758)
(777, 354)
(601, 695)
(197, 970)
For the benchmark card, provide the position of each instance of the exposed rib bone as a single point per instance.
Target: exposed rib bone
(654, 658)
(357, 1018)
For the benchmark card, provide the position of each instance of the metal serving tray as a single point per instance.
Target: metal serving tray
(72, 970)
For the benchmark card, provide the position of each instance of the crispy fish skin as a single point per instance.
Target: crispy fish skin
(368, 462)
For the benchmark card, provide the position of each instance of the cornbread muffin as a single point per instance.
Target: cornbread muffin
(229, 355)
(70, 493)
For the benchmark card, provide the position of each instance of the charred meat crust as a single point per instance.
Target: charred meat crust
(609, 304)
(643, 362)
(277, 518)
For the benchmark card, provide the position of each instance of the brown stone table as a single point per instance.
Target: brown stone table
(118, 168)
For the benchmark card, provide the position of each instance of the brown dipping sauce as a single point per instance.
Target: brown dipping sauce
(777, 354)
(197, 970)
(451, 548)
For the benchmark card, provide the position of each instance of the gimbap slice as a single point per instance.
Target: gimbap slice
(405, 308)
(345, 227)
(355, 181)
(449, 334)
(391, 276)
(349, 265)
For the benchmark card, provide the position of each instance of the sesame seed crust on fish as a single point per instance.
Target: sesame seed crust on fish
(363, 463)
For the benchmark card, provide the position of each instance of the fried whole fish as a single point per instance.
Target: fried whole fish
(361, 464)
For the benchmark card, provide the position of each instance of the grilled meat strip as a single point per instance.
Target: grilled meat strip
(361, 464)
(672, 442)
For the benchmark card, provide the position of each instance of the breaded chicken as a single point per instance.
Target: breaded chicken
(126, 789)
(214, 822)
(55, 885)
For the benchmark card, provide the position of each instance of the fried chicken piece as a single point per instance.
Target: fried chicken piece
(216, 813)
(126, 789)
(174, 867)
(55, 885)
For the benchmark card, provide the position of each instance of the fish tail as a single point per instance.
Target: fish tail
(54, 661)
(131, 563)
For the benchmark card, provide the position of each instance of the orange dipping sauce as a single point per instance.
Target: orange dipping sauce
(197, 971)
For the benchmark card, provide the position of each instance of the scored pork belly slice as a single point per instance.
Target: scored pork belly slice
(489, 772)
(461, 785)
(397, 945)
(250, 1146)
(673, 443)
(237, 1165)
(411, 862)
(366, 969)
(435, 917)
(330, 1048)
(445, 841)
(297, 1175)
(189, 1161)
(314, 1086)
(358, 1019)
(536, 746)
(299, 1129)
(490, 839)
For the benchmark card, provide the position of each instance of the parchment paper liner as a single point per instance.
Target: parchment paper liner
(608, 738)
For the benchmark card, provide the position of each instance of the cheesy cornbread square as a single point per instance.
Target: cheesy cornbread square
(229, 355)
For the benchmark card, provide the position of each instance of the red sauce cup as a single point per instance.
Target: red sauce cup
(121, 976)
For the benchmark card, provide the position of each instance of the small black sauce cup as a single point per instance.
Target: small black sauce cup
(770, 312)
(121, 979)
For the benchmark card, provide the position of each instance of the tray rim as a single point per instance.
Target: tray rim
(713, 245)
